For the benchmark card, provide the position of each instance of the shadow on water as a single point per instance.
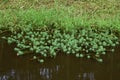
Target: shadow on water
(61, 68)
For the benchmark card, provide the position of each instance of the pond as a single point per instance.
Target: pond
(63, 67)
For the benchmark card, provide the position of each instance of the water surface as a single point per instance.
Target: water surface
(63, 67)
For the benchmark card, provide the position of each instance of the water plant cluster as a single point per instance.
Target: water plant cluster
(86, 43)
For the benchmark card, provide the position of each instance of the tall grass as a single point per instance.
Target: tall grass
(60, 17)
(66, 15)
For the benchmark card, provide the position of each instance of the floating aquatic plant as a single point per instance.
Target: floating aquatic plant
(82, 43)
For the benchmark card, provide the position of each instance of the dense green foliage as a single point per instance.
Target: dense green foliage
(81, 43)
(58, 17)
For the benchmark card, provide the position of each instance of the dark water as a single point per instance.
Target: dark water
(61, 68)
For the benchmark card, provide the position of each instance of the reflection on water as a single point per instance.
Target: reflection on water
(85, 76)
(8, 75)
(45, 74)
(61, 68)
(42, 73)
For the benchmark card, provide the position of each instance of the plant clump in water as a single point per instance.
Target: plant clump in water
(86, 43)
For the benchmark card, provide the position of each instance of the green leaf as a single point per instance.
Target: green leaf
(97, 55)
(16, 49)
(99, 60)
(88, 56)
(4, 37)
(54, 53)
(45, 55)
(117, 43)
(38, 51)
(31, 49)
(77, 55)
(87, 51)
(112, 50)
(104, 44)
(113, 45)
(103, 53)
(41, 60)
(34, 57)
(20, 53)
(81, 55)
(9, 41)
